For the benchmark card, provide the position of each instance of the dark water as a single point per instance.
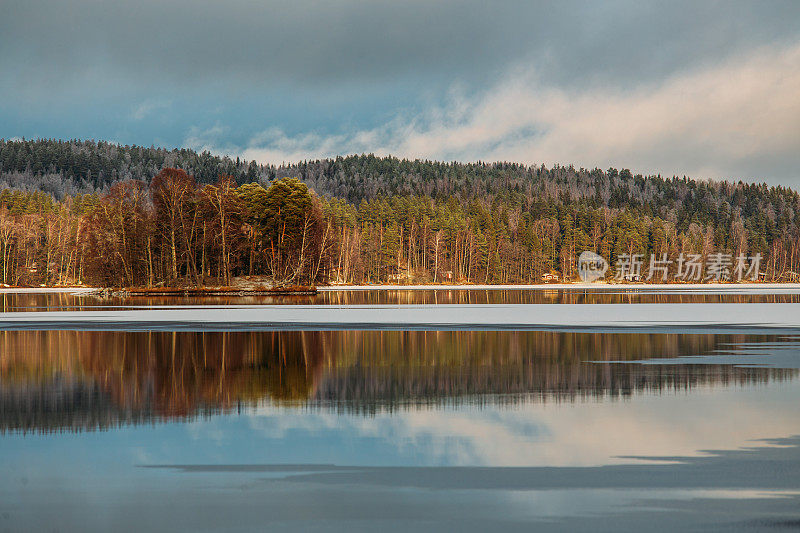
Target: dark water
(397, 430)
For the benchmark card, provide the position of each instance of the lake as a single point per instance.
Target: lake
(424, 429)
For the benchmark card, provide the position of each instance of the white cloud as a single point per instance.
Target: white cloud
(723, 121)
(208, 139)
(148, 107)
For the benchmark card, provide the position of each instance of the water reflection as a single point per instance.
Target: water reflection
(75, 380)
(10, 302)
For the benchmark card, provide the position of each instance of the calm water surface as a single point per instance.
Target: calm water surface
(396, 430)
(10, 302)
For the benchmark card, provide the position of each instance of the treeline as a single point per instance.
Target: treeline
(67, 168)
(175, 230)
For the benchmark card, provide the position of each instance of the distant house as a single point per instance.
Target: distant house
(400, 276)
(550, 277)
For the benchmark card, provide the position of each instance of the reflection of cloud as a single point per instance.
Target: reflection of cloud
(276, 422)
(557, 434)
(724, 121)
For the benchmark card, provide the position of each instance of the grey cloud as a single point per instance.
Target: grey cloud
(738, 119)
(321, 77)
(248, 41)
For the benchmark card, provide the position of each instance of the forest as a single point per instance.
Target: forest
(100, 214)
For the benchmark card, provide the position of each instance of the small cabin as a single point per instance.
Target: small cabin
(550, 277)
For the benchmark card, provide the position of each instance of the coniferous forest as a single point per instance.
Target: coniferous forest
(109, 215)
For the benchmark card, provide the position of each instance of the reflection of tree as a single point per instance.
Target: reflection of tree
(389, 369)
(72, 380)
(171, 374)
(20, 301)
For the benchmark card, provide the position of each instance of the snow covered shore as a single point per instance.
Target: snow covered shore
(46, 290)
(666, 288)
(702, 317)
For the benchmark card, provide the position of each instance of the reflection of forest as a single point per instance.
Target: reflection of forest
(77, 380)
(64, 301)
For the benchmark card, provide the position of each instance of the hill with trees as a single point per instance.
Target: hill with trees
(100, 213)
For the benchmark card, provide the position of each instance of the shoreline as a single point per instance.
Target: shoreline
(785, 288)
(47, 290)
(755, 318)
(568, 286)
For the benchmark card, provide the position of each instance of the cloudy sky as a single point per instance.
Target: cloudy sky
(706, 89)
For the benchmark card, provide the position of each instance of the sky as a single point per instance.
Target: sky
(704, 89)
